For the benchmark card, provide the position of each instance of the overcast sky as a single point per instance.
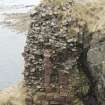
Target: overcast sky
(18, 2)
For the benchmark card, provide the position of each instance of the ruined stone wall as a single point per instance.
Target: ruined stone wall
(69, 46)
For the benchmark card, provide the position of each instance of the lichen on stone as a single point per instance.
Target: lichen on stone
(54, 28)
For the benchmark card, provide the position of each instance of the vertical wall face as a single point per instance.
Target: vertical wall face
(96, 62)
(54, 29)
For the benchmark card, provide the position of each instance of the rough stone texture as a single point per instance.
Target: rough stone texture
(71, 48)
(96, 62)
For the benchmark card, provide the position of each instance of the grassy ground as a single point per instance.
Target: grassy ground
(92, 12)
(14, 95)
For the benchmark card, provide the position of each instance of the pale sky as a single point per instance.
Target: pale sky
(18, 2)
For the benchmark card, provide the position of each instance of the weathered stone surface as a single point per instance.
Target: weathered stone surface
(96, 62)
(71, 48)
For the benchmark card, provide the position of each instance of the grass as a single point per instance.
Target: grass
(15, 95)
(93, 13)
(57, 2)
